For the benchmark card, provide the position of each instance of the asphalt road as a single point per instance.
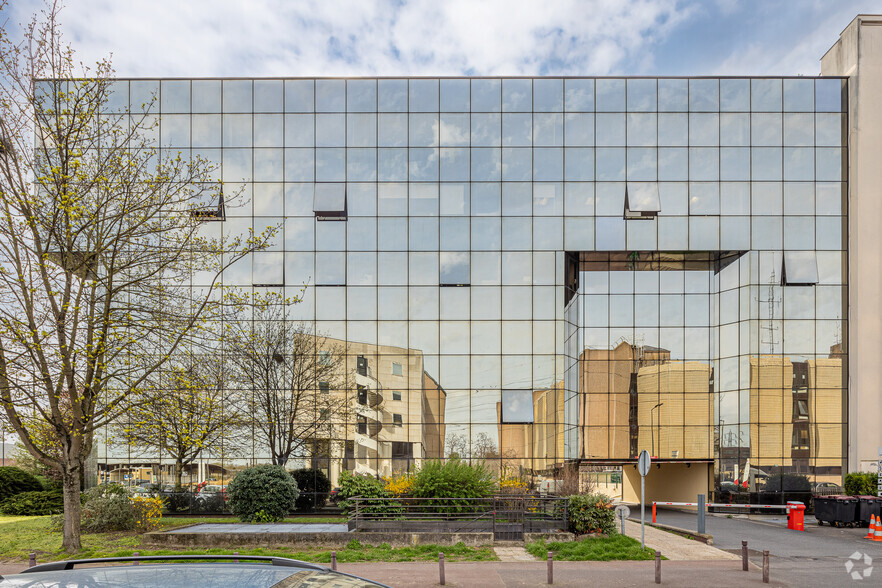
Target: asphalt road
(815, 557)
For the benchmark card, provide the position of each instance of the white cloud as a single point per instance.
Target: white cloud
(366, 37)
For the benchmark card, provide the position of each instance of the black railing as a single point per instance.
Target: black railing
(506, 516)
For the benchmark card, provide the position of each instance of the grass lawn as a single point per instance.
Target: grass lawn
(20, 536)
(614, 547)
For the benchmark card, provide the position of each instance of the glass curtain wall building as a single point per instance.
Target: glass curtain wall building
(548, 274)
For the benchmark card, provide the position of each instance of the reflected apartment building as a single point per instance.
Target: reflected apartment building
(562, 272)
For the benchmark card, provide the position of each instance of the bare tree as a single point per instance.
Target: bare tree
(99, 234)
(294, 381)
(187, 414)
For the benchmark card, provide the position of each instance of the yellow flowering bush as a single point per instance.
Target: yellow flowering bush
(399, 485)
(148, 512)
(510, 485)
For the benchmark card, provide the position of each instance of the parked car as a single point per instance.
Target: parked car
(211, 570)
(827, 488)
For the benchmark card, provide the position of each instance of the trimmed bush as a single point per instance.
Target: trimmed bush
(31, 504)
(453, 479)
(108, 508)
(314, 486)
(860, 484)
(366, 487)
(15, 481)
(267, 489)
(591, 513)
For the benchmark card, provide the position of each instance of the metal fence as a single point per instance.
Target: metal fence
(506, 516)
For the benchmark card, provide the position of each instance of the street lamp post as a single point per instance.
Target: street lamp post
(652, 427)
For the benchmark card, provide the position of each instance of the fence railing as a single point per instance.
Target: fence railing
(509, 514)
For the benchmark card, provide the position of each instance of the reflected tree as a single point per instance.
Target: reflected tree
(186, 414)
(294, 382)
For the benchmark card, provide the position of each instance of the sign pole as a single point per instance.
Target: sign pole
(643, 462)
(642, 517)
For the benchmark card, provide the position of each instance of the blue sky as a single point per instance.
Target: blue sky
(454, 37)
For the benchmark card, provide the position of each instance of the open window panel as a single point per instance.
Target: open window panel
(641, 200)
(799, 268)
(329, 201)
(208, 203)
(517, 406)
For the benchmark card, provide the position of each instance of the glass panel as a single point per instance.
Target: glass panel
(548, 130)
(454, 268)
(828, 95)
(267, 95)
(579, 95)
(517, 95)
(610, 95)
(299, 95)
(361, 95)
(330, 96)
(206, 96)
(486, 95)
(642, 197)
(237, 95)
(765, 95)
(423, 95)
(455, 95)
(799, 95)
(517, 406)
(330, 130)
(673, 95)
(800, 267)
(704, 95)
(175, 96)
(641, 95)
(734, 95)
(392, 95)
(547, 95)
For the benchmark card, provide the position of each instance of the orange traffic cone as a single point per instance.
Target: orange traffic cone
(877, 536)
(871, 534)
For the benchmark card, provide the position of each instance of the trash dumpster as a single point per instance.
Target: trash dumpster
(795, 515)
(836, 510)
(868, 505)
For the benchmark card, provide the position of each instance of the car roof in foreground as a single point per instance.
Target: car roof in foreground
(202, 571)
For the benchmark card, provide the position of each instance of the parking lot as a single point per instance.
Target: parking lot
(814, 557)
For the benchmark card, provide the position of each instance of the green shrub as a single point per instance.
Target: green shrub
(108, 508)
(453, 479)
(860, 484)
(591, 513)
(15, 481)
(314, 486)
(266, 489)
(366, 487)
(34, 503)
(787, 483)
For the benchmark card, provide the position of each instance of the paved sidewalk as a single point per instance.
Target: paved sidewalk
(677, 548)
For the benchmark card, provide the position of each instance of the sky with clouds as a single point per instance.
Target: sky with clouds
(253, 38)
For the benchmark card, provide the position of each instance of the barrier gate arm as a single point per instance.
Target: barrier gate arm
(716, 505)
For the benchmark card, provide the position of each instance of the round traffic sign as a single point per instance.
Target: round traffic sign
(643, 462)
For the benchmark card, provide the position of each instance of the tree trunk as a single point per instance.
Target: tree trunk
(179, 471)
(72, 511)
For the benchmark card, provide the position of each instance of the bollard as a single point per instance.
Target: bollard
(765, 567)
(235, 560)
(334, 560)
(701, 513)
(744, 556)
(135, 563)
(441, 567)
(550, 568)
(32, 560)
(653, 513)
(658, 567)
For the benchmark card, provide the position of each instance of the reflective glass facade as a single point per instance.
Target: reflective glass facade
(543, 271)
